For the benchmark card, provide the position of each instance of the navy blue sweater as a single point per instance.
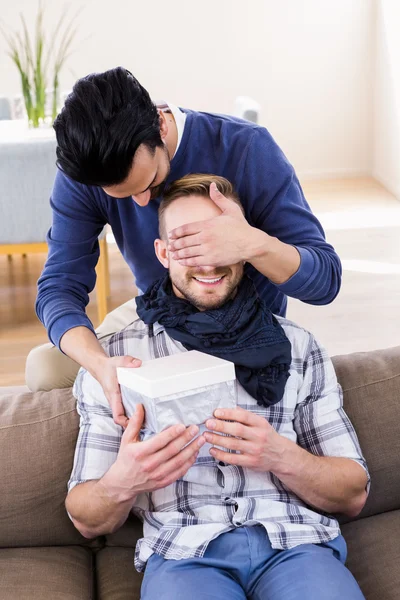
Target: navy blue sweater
(268, 188)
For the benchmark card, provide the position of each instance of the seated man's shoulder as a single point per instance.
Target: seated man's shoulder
(133, 340)
(133, 337)
(302, 340)
(308, 355)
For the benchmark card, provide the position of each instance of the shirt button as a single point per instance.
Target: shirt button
(221, 464)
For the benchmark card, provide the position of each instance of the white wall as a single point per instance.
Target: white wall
(386, 139)
(307, 62)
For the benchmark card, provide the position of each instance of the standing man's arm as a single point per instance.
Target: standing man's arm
(280, 237)
(69, 276)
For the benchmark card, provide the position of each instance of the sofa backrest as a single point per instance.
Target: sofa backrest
(38, 433)
(371, 386)
(37, 440)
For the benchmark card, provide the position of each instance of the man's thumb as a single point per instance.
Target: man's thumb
(129, 361)
(135, 423)
(219, 199)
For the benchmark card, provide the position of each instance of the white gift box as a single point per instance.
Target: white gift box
(182, 388)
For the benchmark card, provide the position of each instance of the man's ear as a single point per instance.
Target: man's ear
(160, 248)
(163, 124)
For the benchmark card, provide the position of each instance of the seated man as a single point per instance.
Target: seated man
(251, 520)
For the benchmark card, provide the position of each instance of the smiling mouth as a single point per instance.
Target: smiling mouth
(208, 281)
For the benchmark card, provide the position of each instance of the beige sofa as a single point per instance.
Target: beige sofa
(42, 556)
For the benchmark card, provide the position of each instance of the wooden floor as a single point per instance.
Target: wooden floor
(361, 219)
(20, 329)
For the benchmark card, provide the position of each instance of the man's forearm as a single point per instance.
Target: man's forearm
(98, 507)
(331, 484)
(271, 257)
(81, 344)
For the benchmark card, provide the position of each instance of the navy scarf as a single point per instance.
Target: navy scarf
(243, 331)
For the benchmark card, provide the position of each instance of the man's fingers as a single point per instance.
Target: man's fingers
(161, 440)
(190, 252)
(121, 420)
(168, 444)
(175, 475)
(230, 443)
(176, 453)
(118, 411)
(177, 462)
(242, 460)
(188, 229)
(235, 429)
(240, 415)
(135, 423)
(184, 242)
(199, 261)
(109, 382)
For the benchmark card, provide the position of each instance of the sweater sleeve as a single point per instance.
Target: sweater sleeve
(69, 273)
(276, 204)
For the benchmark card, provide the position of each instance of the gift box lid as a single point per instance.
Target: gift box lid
(176, 373)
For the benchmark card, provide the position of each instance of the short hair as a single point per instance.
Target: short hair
(104, 120)
(197, 184)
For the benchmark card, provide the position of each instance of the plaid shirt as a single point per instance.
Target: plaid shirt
(212, 498)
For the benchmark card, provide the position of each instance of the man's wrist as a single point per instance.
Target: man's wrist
(293, 460)
(260, 244)
(275, 259)
(96, 361)
(114, 490)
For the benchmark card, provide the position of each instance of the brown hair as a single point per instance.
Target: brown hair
(197, 184)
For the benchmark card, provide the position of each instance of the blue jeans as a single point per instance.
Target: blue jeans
(241, 564)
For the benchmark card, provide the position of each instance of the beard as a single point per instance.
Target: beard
(212, 298)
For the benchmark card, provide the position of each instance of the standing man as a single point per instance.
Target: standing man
(116, 152)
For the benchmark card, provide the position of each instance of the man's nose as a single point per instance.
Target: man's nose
(142, 199)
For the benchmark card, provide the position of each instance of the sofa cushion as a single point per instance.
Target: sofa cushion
(117, 578)
(127, 535)
(371, 386)
(374, 554)
(37, 441)
(46, 574)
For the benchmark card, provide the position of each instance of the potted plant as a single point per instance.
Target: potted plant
(39, 63)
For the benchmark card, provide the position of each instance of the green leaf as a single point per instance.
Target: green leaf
(33, 66)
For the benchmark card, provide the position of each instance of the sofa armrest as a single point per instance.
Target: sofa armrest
(371, 389)
(38, 433)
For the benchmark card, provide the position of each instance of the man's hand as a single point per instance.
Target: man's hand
(217, 242)
(101, 506)
(105, 371)
(152, 464)
(82, 345)
(261, 448)
(328, 483)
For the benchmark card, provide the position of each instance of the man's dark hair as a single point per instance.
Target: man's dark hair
(105, 119)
